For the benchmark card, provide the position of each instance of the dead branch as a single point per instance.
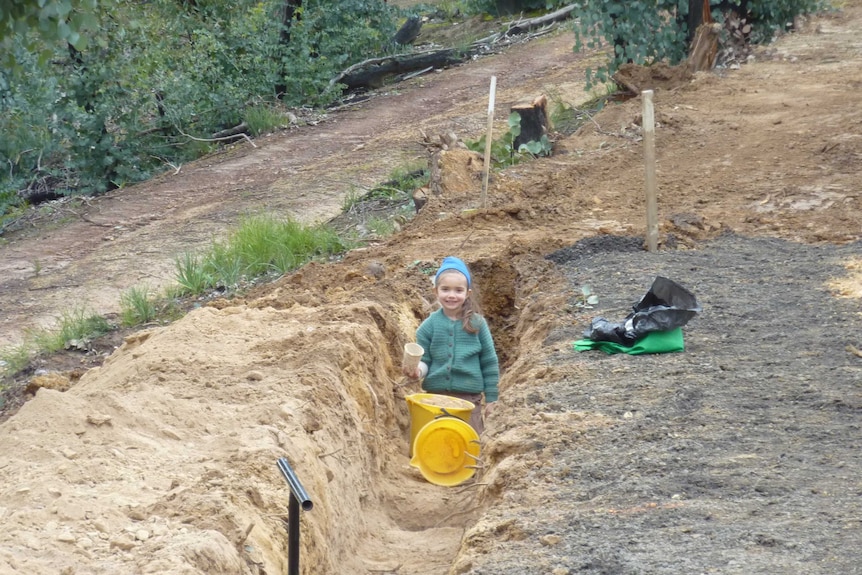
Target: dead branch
(523, 26)
(372, 72)
(241, 128)
(190, 137)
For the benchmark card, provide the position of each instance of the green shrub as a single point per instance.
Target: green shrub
(503, 152)
(647, 32)
(159, 77)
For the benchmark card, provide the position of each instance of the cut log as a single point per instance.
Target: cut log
(372, 73)
(535, 122)
(524, 26)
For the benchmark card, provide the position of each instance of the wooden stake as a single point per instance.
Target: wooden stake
(488, 141)
(649, 164)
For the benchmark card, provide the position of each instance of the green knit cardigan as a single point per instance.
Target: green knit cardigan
(458, 360)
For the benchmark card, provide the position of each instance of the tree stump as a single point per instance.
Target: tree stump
(535, 121)
(408, 32)
(704, 48)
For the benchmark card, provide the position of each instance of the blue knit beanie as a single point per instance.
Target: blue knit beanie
(453, 263)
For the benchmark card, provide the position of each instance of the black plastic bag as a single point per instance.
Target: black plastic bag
(666, 306)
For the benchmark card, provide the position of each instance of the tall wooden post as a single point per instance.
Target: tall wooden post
(488, 140)
(649, 165)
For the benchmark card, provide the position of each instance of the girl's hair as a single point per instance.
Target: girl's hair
(470, 308)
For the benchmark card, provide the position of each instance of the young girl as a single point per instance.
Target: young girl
(460, 360)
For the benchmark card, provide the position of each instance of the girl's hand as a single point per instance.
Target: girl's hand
(489, 407)
(414, 374)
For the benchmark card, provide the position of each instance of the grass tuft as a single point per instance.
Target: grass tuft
(263, 118)
(261, 246)
(137, 307)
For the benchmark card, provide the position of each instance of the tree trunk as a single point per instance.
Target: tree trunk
(373, 73)
(288, 11)
(696, 11)
(534, 121)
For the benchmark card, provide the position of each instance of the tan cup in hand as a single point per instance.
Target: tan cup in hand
(412, 356)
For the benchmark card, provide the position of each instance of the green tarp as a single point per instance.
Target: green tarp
(652, 342)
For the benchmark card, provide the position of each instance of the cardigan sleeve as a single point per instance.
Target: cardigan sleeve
(423, 338)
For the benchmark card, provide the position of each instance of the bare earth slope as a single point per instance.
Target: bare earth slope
(738, 455)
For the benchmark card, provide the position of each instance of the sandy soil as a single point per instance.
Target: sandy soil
(735, 456)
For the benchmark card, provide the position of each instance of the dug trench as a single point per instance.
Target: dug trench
(171, 445)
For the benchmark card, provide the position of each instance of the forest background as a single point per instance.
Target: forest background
(97, 95)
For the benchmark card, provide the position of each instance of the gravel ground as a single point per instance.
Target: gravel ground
(738, 456)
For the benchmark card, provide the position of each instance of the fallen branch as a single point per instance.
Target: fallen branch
(406, 77)
(242, 128)
(190, 137)
(522, 26)
(373, 72)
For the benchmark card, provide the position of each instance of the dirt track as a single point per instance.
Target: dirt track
(735, 456)
(88, 255)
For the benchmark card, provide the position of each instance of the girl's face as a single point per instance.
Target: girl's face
(452, 290)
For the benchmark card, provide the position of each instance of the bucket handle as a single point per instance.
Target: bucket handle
(445, 414)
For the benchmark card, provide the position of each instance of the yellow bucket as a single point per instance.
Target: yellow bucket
(425, 407)
(446, 451)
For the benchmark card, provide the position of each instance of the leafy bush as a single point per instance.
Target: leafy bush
(329, 37)
(503, 152)
(83, 115)
(644, 32)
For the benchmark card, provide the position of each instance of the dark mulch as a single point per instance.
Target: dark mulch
(740, 455)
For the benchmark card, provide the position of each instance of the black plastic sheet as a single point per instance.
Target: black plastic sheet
(666, 306)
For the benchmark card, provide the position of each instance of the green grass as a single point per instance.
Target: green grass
(263, 118)
(137, 306)
(567, 118)
(191, 275)
(261, 246)
(350, 200)
(401, 183)
(380, 227)
(77, 325)
(15, 358)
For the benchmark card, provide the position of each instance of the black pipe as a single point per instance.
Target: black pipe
(298, 498)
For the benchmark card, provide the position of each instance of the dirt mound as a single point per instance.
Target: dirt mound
(732, 456)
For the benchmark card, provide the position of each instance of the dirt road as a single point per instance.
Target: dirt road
(87, 255)
(738, 455)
